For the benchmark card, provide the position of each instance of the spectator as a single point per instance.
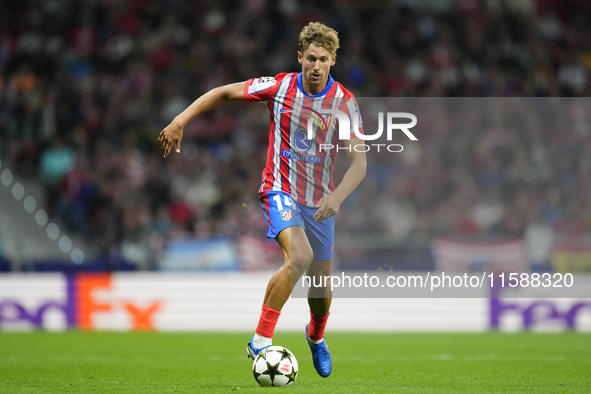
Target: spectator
(56, 161)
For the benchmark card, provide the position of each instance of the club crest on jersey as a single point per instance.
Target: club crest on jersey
(323, 121)
(286, 215)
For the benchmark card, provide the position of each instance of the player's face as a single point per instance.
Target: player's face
(316, 63)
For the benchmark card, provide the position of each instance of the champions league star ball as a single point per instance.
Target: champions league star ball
(275, 366)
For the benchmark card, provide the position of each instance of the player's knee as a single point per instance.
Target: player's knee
(320, 270)
(300, 261)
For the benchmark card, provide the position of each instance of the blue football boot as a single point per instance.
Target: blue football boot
(320, 356)
(252, 351)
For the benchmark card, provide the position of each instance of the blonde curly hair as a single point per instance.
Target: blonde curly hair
(320, 35)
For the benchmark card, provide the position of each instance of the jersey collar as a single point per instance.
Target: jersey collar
(319, 94)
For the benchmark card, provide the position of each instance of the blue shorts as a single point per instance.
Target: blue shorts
(282, 212)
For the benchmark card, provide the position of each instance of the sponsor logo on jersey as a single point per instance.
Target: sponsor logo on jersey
(298, 156)
(300, 142)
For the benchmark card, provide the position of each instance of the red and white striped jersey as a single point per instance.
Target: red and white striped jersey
(297, 165)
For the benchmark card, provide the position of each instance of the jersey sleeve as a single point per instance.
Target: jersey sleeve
(262, 88)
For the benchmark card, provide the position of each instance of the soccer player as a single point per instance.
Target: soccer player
(297, 192)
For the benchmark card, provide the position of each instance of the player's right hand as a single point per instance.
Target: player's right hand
(171, 136)
(327, 206)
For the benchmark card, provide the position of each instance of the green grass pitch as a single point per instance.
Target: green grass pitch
(362, 363)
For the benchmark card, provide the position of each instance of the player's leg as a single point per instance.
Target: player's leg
(321, 238)
(319, 298)
(297, 255)
(285, 226)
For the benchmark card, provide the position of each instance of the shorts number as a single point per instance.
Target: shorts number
(286, 201)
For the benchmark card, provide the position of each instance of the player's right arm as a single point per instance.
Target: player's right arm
(173, 133)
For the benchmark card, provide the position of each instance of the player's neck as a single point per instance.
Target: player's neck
(311, 90)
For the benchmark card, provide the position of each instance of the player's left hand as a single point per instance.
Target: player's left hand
(327, 206)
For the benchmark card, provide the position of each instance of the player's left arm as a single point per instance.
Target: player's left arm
(328, 206)
(173, 133)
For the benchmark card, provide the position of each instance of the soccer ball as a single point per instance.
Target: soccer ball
(275, 366)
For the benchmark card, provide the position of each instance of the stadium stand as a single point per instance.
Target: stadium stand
(85, 88)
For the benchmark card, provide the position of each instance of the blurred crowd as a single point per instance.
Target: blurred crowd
(86, 87)
(486, 168)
